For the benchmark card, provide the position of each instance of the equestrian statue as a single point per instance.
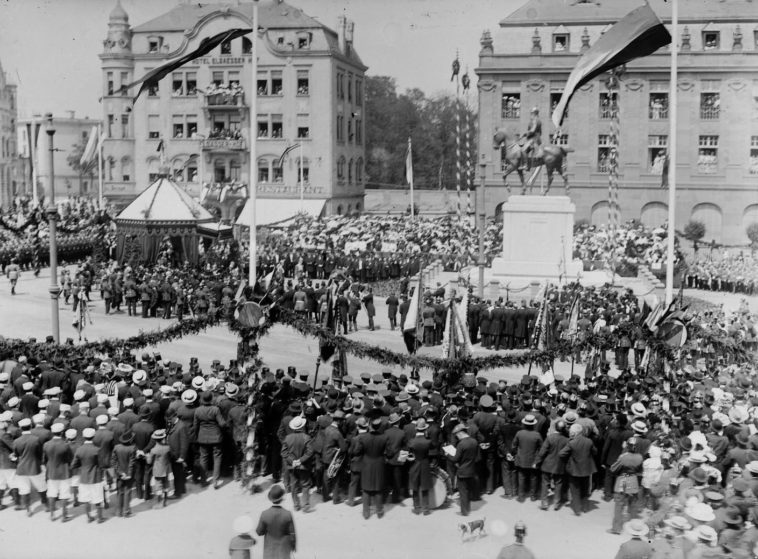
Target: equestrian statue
(527, 152)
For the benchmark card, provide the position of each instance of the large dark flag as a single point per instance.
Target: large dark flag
(152, 78)
(640, 33)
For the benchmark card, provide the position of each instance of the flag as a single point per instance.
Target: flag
(90, 150)
(160, 147)
(640, 33)
(154, 76)
(280, 161)
(573, 325)
(413, 330)
(326, 349)
(665, 172)
(409, 163)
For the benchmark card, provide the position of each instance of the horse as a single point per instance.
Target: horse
(551, 156)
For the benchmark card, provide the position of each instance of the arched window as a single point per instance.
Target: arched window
(306, 170)
(219, 170)
(247, 46)
(350, 173)
(599, 213)
(152, 169)
(263, 174)
(341, 168)
(126, 169)
(359, 171)
(654, 214)
(710, 215)
(749, 217)
(349, 208)
(339, 210)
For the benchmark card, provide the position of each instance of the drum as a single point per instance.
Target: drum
(441, 490)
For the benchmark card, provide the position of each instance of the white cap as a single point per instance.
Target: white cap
(70, 434)
(102, 398)
(27, 386)
(79, 395)
(57, 428)
(113, 412)
(128, 402)
(88, 433)
(42, 404)
(25, 422)
(102, 419)
(38, 419)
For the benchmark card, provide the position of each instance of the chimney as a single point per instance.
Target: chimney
(341, 23)
(71, 114)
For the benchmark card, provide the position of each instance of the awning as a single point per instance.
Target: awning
(215, 230)
(269, 211)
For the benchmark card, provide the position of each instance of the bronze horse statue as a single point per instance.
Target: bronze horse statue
(551, 156)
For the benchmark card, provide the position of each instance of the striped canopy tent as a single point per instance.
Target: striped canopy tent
(163, 211)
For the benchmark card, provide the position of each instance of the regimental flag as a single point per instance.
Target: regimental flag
(90, 150)
(573, 325)
(409, 163)
(640, 33)
(280, 161)
(327, 349)
(154, 76)
(413, 330)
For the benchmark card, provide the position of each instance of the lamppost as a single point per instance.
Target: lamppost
(480, 214)
(52, 216)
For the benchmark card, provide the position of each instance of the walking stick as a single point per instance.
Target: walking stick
(315, 375)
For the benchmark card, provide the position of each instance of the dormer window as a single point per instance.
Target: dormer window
(560, 42)
(710, 40)
(154, 44)
(304, 40)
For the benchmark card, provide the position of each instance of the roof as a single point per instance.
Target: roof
(270, 211)
(164, 202)
(580, 12)
(271, 14)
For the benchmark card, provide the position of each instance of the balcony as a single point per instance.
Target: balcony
(709, 112)
(658, 113)
(223, 144)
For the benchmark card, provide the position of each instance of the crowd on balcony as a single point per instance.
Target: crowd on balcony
(225, 134)
(659, 107)
(511, 106)
(221, 94)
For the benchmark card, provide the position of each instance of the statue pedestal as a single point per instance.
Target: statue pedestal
(538, 239)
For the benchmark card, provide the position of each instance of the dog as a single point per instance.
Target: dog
(469, 528)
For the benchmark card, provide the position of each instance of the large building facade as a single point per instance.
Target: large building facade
(309, 88)
(8, 143)
(526, 64)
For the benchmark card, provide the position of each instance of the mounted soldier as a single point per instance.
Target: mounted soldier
(533, 144)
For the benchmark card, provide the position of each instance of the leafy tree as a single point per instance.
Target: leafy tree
(431, 124)
(694, 231)
(752, 234)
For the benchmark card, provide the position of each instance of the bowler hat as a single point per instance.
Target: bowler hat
(276, 494)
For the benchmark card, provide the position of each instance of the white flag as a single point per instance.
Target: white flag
(90, 150)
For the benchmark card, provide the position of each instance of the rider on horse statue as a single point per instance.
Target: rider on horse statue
(533, 140)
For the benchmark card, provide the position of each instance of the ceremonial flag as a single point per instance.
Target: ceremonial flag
(640, 33)
(154, 76)
(326, 349)
(90, 150)
(280, 161)
(412, 329)
(409, 163)
(573, 326)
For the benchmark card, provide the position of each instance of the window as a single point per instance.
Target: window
(603, 152)
(350, 172)
(226, 47)
(358, 92)
(340, 128)
(217, 78)
(192, 173)
(350, 87)
(707, 154)
(262, 83)
(341, 168)
(234, 79)
(184, 84)
(358, 131)
(710, 40)
(178, 174)
(359, 171)
(177, 126)
(276, 83)
(303, 170)
(152, 177)
(303, 132)
(263, 129)
(154, 44)
(350, 135)
(303, 82)
(511, 105)
(606, 106)
(110, 86)
(125, 125)
(234, 170)
(559, 139)
(278, 173)
(219, 171)
(709, 106)
(754, 155)
(277, 128)
(153, 127)
(658, 108)
(124, 83)
(263, 170)
(152, 90)
(340, 85)
(555, 98)
(177, 83)
(560, 42)
(656, 153)
(111, 167)
(191, 126)
(111, 122)
(304, 40)
(247, 46)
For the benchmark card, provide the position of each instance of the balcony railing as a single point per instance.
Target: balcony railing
(223, 143)
(709, 113)
(512, 112)
(658, 113)
(224, 99)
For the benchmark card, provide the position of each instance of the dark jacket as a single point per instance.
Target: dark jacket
(526, 446)
(297, 446)
(57, 456)
(373, 448)
(122, 460)
(28, 449)
(466, 453)
(87, 459)
(579, 455)
(178, 440)
(208, 425)
(420, 473)
(278, 529)
(548, 459)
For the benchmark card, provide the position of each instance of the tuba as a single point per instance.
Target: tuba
(335, 464)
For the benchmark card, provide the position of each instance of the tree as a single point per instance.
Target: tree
(752, 234)
(74, 160)
(694, 231)
(431, 125)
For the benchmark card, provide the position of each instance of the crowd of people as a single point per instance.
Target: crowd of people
(733, 273)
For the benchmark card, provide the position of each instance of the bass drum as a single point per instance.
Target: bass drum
(441, 490)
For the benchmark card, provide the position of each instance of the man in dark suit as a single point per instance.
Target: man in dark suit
(297, 452)
(466, 453)
(372, 447)
(440, 315)
(405, 304)
(484, 325)
(473, 320)
(520, 331)
(392, 305)
(509, 325)
(277, 528)
(580, 456)
(552, 467)
(487, 424)
(526, 446)
(395, 468)
(496, 326)
(208, 430)
(420, 479)
(29, 474)
(342, 310)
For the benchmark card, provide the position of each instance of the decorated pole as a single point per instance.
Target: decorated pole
(253, 114)
(466, 82)
(613, 178)
(456, 72)
(672, 156)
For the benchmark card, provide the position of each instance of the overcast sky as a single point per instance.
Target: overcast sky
(50, 47)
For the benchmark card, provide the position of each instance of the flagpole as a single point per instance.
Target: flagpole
(253, 155)
(672, 153)
(302, 191)
(33, 158)
(100, 165)
(410, 155)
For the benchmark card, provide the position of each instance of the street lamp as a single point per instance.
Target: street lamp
(52, 216)
(480, 212)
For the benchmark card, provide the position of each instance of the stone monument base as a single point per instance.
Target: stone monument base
(538, 239)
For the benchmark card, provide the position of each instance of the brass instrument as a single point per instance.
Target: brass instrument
(335, 465)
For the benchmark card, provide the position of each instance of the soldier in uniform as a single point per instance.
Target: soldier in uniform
(533, 139)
